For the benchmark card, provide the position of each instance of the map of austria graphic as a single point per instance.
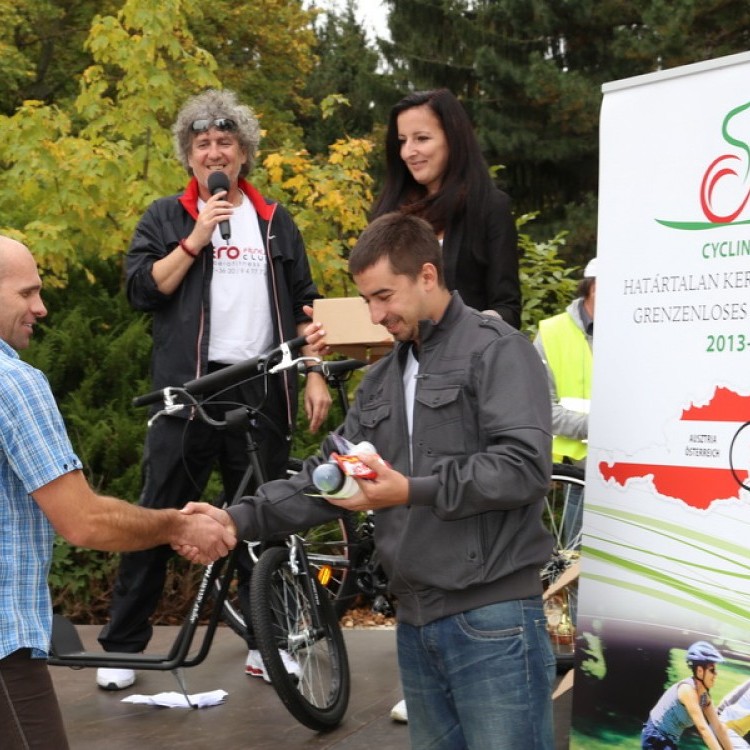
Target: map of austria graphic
(713, 440)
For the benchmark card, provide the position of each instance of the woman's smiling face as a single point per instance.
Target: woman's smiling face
(424, 147)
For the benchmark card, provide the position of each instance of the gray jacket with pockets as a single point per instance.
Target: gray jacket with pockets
(472, 532)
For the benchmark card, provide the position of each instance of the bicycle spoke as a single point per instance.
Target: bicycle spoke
(563, 518)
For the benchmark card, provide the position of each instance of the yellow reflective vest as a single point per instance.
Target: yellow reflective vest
(568, 355)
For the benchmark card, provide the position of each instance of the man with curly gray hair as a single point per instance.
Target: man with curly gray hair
(224, 274)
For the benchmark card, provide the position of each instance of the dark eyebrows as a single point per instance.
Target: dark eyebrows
(376, 293)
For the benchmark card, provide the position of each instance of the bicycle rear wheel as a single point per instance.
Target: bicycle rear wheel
(331, 550)
(294, 614)
(563, 514)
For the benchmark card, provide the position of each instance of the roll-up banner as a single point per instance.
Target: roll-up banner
(666, 545)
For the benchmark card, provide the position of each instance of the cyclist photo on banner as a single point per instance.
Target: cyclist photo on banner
(688, 703)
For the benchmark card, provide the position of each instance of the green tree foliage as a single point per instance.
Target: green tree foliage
(41, 48)
(348, 67)
(329, 197)
(548, 281)
(93, 166)
(265, 52)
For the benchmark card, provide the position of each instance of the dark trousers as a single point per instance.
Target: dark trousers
(29, 713)
(179, 456)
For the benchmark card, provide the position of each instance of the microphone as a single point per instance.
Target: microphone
(218, 181)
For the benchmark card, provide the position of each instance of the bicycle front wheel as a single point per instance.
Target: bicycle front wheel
(563, 515)
(292, 613)
(237, 598)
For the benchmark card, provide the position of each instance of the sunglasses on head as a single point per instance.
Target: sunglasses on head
(220, 123)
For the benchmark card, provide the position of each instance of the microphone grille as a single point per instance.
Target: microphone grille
(217, 181)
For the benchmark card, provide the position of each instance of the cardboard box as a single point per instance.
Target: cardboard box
(349, 330)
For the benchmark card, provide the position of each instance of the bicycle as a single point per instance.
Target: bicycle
(329, 547)
(563, 512)
(314, 638)
(344, 551)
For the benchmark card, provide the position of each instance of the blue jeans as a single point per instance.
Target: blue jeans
(654, 739)
(480, 680)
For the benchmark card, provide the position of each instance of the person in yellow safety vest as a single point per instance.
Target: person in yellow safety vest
(565, 344)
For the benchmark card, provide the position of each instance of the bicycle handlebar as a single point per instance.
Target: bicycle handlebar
(230, 375)
(338, 368)
(152, 397)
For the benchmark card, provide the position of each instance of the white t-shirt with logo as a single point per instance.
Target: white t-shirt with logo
(240, 305)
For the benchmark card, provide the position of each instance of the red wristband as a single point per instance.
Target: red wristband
(184, 246)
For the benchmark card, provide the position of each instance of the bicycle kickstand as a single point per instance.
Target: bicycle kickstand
(180, 677)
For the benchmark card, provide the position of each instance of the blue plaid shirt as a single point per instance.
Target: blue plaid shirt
(34, 450)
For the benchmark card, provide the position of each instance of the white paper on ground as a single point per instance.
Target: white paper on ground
(174, 699)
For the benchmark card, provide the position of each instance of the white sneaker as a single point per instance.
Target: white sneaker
(114, 679)
(255, 667)
(398, 712)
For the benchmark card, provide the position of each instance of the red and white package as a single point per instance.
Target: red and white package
(353, 467)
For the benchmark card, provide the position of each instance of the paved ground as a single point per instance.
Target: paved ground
(252, 717)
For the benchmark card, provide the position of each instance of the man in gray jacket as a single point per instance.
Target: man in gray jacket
(460, 414)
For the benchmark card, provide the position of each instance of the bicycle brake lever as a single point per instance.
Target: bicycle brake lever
(171, 405)
(287, 361)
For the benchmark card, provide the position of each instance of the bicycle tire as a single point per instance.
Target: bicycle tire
(563, 510)
(282, 619)
(231, 608)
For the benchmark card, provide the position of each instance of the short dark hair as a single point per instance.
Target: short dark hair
(407, 241)
(213, 104)
(585, 286)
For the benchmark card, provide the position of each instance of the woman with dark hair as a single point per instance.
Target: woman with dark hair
(435, 169)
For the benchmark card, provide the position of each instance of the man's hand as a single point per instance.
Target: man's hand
(216, 209)
(317, 397)
(209, 533)
(315, 333)
(317, 400)
(387, 489)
